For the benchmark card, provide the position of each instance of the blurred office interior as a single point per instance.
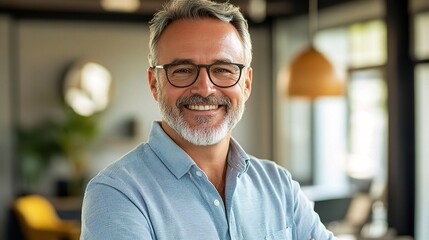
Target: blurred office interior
(361, 156)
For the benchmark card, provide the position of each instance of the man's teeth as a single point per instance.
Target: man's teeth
(202, 107)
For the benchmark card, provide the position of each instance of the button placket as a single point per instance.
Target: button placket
(204, 185)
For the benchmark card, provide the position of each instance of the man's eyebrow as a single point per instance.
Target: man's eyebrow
(181, 61)
(222, 61)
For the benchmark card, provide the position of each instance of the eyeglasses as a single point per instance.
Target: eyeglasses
(183, 75)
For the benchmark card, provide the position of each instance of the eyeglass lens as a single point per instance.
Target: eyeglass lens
(221, 74)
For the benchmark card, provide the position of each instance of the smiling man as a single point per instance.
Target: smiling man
(192, 180)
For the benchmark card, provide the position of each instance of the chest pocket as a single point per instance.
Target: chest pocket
(285, 234)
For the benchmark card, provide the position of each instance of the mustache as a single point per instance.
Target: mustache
(210, 100)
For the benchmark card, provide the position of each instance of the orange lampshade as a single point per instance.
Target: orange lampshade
(311, 75)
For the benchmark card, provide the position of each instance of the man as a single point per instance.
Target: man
(191, 180)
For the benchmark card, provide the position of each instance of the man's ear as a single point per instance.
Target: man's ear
(248, 83)
(151, 76)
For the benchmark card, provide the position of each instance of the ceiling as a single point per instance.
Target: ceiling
(85, 8)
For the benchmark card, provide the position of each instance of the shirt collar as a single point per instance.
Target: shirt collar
(176, 160)
(179, 162)
(237, 157)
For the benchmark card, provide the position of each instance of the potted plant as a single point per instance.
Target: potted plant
(70, 139)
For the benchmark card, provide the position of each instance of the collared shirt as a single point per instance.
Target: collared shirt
(156, 191)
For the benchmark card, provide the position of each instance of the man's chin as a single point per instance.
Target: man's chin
(203, 133)
(201, 127)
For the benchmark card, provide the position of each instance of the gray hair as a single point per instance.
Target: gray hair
(197, 9)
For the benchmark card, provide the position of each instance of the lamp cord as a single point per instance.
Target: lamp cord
(313, 16)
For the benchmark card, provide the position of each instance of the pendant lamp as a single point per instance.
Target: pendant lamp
(120, 5)
(310, 73)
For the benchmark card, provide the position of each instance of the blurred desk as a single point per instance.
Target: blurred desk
(69, 208)
(331, 203)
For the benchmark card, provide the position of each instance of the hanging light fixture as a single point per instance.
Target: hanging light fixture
(310, 73)
(258, 10)
(120, 5)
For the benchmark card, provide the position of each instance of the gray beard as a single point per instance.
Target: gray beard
(204, 134)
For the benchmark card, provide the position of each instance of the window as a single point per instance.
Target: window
(362, 145)
(421, 23)
(367, 124)
(367, 43)
(334, 139)
(422, 151)
(421, 53)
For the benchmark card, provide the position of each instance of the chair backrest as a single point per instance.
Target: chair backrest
(36, 211)
(359, 210)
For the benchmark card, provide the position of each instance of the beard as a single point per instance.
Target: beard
(205, 132)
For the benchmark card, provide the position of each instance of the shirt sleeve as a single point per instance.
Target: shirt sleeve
(108, 213)
(308, 224)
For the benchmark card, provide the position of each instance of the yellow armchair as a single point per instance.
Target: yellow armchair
(39, 220)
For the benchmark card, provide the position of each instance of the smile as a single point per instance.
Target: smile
(202, 107)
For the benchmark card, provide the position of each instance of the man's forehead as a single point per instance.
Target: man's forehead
(188, 38)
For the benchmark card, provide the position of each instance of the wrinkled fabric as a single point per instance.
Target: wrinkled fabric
(156, 191)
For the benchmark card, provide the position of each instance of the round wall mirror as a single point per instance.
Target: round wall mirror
(87, 87)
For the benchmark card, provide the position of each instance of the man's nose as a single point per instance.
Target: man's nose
(203, 85)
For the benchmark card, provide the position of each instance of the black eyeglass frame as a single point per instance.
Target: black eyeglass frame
(199, 66)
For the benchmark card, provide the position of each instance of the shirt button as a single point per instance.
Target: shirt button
(199, 174)
(216, 202)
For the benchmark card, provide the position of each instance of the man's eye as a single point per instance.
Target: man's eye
(182, 70)
(223, 69)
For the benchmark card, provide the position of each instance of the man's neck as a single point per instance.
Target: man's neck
(211, 159)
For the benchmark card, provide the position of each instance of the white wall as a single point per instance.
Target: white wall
(254, 132)
(46, 48)
(290, 37)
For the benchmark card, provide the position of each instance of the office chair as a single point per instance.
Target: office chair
(357, 215)
(39, 220)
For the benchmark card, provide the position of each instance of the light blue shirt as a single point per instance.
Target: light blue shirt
(156, 191)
